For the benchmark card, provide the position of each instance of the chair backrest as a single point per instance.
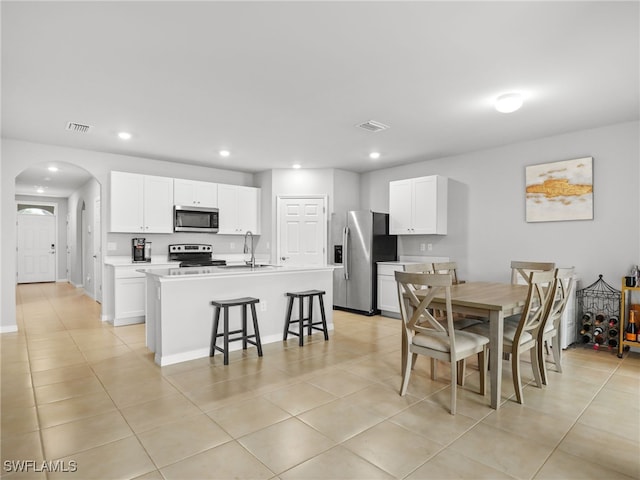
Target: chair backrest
(418, 267)
(415, 312)
(561, 290)
(447, 267)
(540, 289)
(520, 270)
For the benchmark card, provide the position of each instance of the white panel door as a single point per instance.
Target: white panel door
(97, 252)
(36, 248)
(302, 234)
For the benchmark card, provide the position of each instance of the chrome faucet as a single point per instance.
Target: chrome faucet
(251, 262)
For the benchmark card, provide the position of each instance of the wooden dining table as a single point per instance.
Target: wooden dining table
(494, 301)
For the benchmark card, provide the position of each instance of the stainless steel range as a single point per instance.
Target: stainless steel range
(193, 255)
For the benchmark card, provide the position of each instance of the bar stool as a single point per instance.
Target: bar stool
(308, 321)
(225, 304)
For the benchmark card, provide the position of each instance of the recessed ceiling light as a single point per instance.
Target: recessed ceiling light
(124, 135)
(40, 190)
(374, 155)
(224, 153)
(53, 169)
(296, 165)
(509, 102)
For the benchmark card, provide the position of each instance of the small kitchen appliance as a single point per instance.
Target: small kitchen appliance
(193, 255)
(195, 219)
(140, 250)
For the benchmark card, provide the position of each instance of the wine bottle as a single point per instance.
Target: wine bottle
(598, 336)
(613, 333)
(599, 319)
(613, 321)
(631, 332)
(585, 328)
(586, 317)
(613, 343)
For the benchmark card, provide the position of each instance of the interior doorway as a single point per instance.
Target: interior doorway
(301, 230)
(36, 245)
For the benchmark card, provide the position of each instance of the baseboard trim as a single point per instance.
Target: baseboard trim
(8, 328)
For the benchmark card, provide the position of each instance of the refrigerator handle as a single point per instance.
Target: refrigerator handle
(345, 252)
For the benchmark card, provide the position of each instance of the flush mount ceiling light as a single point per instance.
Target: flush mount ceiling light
(296, 166)
(374, 155)
(40, 190)
(124, 135)
(508, 103)
(224, 153)
(53, 169)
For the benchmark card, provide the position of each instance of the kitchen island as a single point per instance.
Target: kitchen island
(180, 315)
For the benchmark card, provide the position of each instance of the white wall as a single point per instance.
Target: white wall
(19, 155)
(487, 227)
(87, 195)
(346, 191)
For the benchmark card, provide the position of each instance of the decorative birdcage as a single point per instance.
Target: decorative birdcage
(598, 311)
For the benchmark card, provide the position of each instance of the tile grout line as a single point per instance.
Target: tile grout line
(601, 387)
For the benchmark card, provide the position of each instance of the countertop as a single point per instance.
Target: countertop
(161, 260)
(409, 259)
(235, 270)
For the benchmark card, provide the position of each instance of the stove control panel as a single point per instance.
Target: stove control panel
(190, 248)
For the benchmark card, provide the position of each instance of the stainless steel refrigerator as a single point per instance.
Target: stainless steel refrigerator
(359, 239)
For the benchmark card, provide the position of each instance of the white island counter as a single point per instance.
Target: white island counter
(180, 315)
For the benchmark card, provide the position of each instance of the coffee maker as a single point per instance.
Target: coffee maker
(140, 250)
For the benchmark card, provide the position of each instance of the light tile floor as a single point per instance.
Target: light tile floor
(76, 389)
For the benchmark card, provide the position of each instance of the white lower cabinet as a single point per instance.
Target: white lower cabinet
(130, 300)
(124, 299)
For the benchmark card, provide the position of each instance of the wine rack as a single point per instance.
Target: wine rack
(624, 344)
(598, 313)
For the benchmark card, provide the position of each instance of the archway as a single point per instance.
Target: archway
(76, 191)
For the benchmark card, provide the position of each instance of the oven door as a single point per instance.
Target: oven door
(195, 219)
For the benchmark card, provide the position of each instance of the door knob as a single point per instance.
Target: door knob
(283, 258)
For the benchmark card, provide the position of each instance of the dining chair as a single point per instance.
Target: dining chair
(441, 315)
(425, 335)
(520, 270)
(418, 267)
(461, 321)
(523, 336)
(550, 331)
(447, 267)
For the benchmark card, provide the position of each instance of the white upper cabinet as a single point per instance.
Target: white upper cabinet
(239, 209)
(418, 206)
(141, 203)
(195, 193)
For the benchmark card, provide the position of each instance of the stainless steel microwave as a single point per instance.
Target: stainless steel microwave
(195, 219)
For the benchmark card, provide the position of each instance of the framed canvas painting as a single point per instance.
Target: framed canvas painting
(560, 191)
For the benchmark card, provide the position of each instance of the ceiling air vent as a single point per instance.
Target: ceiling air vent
(78, 127)
(372, 126)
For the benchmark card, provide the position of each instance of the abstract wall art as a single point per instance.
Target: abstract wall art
(560, 191)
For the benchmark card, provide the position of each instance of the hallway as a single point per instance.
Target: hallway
(77, 389)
